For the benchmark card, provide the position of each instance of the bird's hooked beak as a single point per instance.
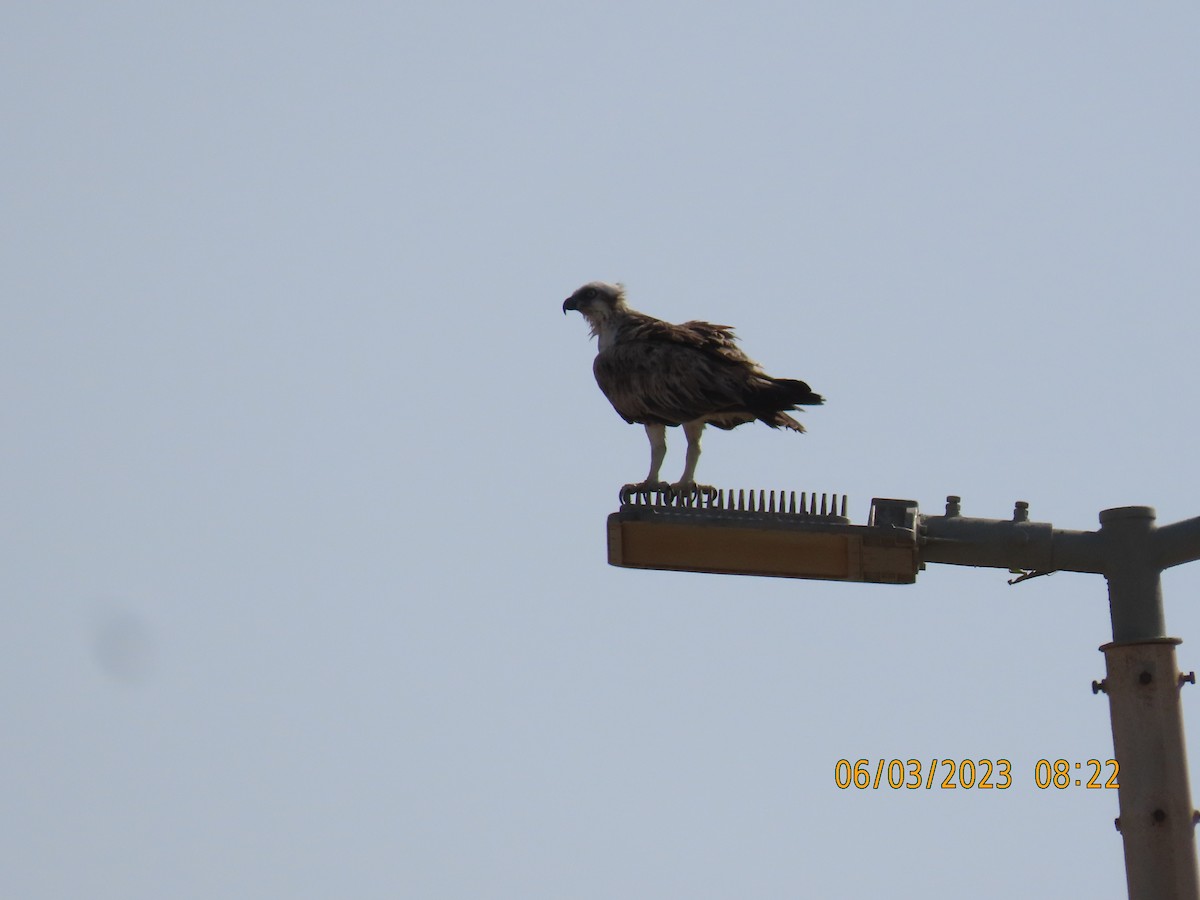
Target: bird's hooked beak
(570, 303)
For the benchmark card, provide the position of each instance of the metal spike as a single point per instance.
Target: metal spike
(792, 504)
(843, 506)
(741, 499)
(772, 501)
(824, 497)
(751, 508)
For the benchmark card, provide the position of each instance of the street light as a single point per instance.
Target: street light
(773, 533)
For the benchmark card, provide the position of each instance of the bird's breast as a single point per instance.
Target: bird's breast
(606, 336)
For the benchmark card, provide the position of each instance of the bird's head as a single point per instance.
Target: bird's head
(597, 300)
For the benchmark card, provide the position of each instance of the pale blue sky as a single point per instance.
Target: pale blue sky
(305, 475)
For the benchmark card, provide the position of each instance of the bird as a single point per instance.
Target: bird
(693, 374)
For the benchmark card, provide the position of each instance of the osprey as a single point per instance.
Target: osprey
(658, 374)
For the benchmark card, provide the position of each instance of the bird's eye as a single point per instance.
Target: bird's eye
(590, 293)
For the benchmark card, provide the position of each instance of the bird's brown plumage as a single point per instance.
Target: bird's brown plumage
(659, 374)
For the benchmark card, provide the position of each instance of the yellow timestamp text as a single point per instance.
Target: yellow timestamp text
(917, 774)
(1063, 773)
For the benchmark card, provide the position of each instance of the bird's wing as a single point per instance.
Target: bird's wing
(660, 373)
(715, 340)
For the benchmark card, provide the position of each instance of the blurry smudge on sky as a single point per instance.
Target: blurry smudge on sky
(122, 646)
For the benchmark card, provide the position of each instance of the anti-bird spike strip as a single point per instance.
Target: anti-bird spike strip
(758, 502)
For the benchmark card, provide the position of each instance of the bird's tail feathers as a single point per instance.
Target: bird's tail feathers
(797, 392)
(783, 420)
(780, 394)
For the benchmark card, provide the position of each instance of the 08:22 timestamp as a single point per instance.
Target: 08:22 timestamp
(1062, 774)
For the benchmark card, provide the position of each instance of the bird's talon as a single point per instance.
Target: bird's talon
(691, 488)
(645, 487)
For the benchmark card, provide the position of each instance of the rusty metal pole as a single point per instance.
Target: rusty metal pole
(1142, 682)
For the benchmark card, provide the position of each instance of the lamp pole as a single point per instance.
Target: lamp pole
(1143, 683)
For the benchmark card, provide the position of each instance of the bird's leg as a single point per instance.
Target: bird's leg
(657, 435)
(692, 430)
